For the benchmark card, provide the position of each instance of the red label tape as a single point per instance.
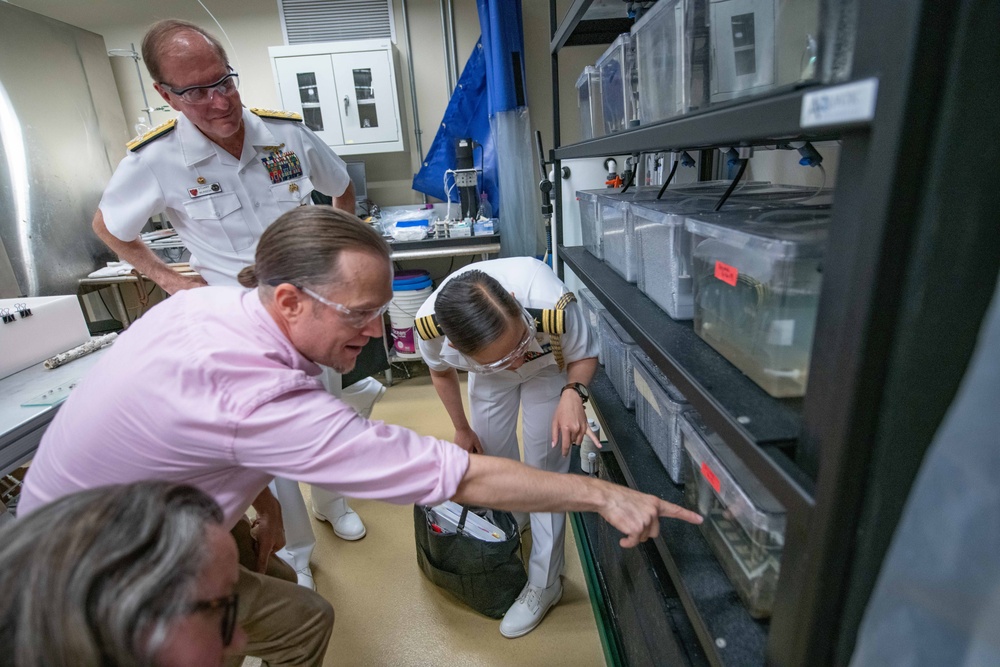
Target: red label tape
(707, 473)
(727, 274)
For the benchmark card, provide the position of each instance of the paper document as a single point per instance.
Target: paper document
(448, 514)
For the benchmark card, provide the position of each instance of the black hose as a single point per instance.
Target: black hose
(631, 179)
(732, 186)
(670, 177)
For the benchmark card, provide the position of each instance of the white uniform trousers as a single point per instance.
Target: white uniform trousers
(299, 538)
(494, 402)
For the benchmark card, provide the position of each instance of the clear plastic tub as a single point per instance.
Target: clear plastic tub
(590, 222)
(618, 85)
(744, 523)
(663, 244)
(592, 309)
(665, 54)
(617, 348)
(760, 45)
(588, 91)
(757, 278)
(619, 247)
(618, 236)
(658, 408)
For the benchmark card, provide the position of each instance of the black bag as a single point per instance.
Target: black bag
(487, 576)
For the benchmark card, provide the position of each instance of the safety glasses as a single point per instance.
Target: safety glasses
(517, 353)
(353, 317)
(227, 85)
(229, 605)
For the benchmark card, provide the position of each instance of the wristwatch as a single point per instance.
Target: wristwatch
(579, 388)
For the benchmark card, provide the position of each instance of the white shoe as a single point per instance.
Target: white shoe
(304, 574)
(529, 609)
(363, 395)
(305, 577)
(347, 525)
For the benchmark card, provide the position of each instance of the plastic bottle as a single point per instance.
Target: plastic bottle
(485, 209)
(588, 451)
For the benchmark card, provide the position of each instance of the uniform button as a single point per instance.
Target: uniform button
(256, 204)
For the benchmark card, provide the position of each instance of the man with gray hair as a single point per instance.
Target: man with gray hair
(222, 174)
(136, 574)
(218, 387)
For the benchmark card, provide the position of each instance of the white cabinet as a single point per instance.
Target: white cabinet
(345, 91)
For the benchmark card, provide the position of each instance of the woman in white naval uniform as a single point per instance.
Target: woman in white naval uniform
(478, 320)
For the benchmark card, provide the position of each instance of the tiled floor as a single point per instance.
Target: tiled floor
(388, 614)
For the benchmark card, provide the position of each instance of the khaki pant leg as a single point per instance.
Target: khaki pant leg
(285, 624)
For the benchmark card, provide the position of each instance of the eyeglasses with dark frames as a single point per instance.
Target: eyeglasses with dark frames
(203, 94)
(229, 604)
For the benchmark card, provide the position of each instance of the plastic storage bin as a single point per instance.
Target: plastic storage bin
(759, 45)
(744, 523)
(619, 246)
(757, 278)
(663, 244)
(618, 85)
(618, 242)
(592, 310)
(670, 60)
(590, 222)
(658, 408)
(617, 348)
(588, 92)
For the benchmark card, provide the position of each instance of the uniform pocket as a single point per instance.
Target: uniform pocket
(220, 222)
(289, 194)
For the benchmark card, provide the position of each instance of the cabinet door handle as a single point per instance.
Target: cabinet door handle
(347, 103)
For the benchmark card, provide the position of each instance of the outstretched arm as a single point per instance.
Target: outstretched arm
(504, 484)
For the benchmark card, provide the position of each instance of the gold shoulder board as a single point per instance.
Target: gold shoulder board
(152, 135)
(278, 115)
(554, 319)
(427, 327)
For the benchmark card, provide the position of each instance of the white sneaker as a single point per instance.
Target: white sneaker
(529, 609)
(347, 525)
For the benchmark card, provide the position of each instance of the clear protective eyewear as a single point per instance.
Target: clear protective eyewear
(352, 316)
(517, 353)
(230, 605)
(227, 85)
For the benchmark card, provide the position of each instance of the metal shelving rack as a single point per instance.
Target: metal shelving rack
(905, 288)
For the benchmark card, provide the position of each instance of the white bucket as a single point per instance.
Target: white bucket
(402, 312)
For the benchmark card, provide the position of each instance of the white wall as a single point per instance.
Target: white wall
(253, 25)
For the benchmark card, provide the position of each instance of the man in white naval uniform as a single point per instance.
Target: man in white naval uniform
(527, 346)
(222, 174)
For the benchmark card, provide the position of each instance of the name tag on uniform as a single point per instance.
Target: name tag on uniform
(202, 190)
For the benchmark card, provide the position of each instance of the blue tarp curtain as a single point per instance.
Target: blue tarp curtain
(492, 81)
(467, 116)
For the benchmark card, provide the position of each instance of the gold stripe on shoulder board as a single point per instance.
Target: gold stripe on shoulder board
(155, 133)
(564, 301)
(427, 327)
(278, 115)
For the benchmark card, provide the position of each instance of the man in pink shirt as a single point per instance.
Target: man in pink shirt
(218, 388)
